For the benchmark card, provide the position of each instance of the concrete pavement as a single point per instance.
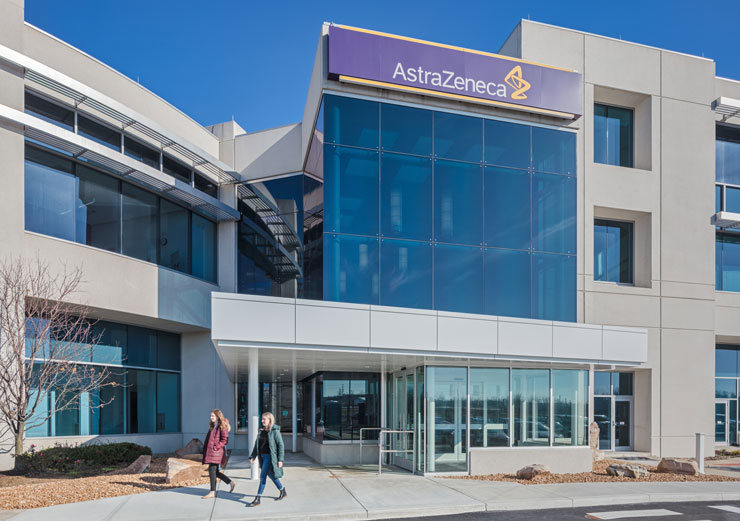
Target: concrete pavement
(329, 493)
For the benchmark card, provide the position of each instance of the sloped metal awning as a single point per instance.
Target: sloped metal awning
(285, 234)
(728, 220)
(727, 107)
(82, 148)
(56, 81)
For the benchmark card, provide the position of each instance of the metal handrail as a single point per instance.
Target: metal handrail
(361, 439)
(381, 450)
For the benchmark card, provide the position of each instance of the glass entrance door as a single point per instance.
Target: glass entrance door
(404, 407)
(622, 423)
(721, 425)
(446, 419)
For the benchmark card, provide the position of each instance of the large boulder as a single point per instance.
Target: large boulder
(194, 446)
(530, 471)
(627, 471)
(678, 466)
(182, 470)
(139, 466)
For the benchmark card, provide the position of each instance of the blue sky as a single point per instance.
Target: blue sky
(251, 59)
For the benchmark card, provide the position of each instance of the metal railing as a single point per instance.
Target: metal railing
(381, 445)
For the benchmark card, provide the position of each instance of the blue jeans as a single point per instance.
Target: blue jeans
(267, 471)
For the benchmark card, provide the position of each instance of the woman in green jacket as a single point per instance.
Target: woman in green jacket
(271, 452)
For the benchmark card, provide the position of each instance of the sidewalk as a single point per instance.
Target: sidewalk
(329, 493)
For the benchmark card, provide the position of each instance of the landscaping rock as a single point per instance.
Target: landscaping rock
(194, 446)
(139, 466)
(678, 466)
(593, 435)
(627, 471)
(182, 470)
(530, 471)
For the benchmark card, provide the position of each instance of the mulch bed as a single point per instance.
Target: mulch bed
(598, 475)
(21, 492)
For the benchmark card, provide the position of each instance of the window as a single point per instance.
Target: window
(613, 135)
(98, 213)
(727, 154)
(346, 403)
(531, 402)
(49, 111)
(406, 274)
(727, 262)
(570, 407)
(205, 185)
(140, 217)
(613, 251)
(140, 401)
(175, 169)
(353, 265)
(50, 188)
(351, 178)
(204, 248)
(141, 152)
(98, 132)
(489, 407)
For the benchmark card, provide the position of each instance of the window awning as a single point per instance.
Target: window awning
(727, 107)
(80, 147)
(726, 220)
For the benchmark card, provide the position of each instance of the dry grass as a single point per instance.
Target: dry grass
(20, 492)
(599, 475)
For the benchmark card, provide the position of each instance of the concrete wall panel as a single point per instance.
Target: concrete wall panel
(580, 341)
(467, 335)
(270, 319)
(524, 338)
(329, 323)
(403, 329)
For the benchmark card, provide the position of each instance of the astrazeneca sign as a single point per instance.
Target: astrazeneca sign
(396, 62)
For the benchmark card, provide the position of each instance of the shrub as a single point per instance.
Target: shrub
(80, 458)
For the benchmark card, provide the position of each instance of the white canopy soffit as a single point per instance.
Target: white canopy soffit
(335, 330)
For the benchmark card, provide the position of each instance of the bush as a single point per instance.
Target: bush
(80, 458)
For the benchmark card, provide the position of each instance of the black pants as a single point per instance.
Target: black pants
(214, 473)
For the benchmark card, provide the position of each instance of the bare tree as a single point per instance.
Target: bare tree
(46, 343)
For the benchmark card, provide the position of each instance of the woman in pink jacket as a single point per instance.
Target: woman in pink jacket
(214, 450)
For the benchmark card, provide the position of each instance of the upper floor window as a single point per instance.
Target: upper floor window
(613, 251)
(72, 201)
(727, 153)
(48, 111)
(613, 135)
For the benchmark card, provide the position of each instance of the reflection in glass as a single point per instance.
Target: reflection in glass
(554, 287)
(351, 190)
(725, 388)
(603, 418)
(110, 346)
(613, 256)
(141, 152)
(140, 401)
(168, 350)
(531, 401)
(622, 384)
(613, 135)
(204, 248)
(406, 274)
(554, 151)
(98, 132)
(141, 347)
(108, 419)
(727, 154)
(458, 137)
(506, 144)
(446, 426)
(622, 420)
(458, 278)
(489, 407)
(140, 215)
(405, 129)
(602, 382)
(507, 283)
(48, 111)
(554, 213)
(728, 261)
(570, 407)
(98, 215)
(718, 198)
(406, 197)
(174, 229)
(351, 269)
(176, 169)
(507, 208)
(49, 192)
(168, 402)
(458, 204)
(726, 361)
(732, 199)
(350, 121)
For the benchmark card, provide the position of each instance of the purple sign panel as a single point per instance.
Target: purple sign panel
(389, 61)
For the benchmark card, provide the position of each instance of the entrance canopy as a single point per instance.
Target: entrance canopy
(301, 337)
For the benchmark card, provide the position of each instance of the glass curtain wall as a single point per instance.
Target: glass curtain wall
(144, 365)
(71, 201)
(727, 198)
(433, 210)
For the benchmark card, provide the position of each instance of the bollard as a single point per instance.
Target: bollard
(700, 451)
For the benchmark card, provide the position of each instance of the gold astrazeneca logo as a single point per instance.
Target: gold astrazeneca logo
(515, 81)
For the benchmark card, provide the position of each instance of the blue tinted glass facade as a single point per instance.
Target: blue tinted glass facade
(434, 210)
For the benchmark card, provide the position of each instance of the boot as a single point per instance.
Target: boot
(282, 495)
(255, 503)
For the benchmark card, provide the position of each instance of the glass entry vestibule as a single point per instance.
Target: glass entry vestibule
(614, 410)
(445, 411)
